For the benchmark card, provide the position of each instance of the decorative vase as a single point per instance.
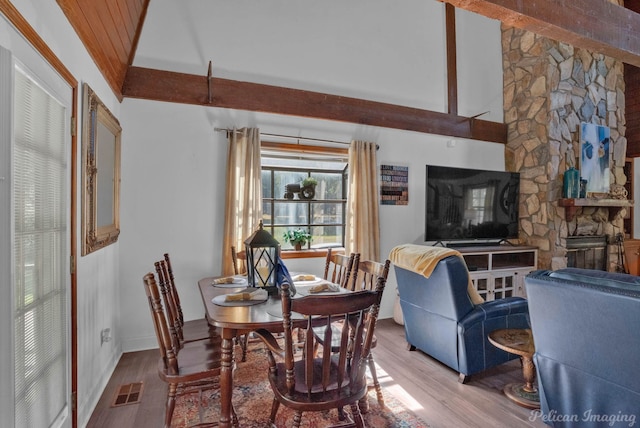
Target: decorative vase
(297, 246)
(571, 183)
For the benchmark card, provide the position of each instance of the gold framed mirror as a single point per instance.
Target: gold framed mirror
(100, 174)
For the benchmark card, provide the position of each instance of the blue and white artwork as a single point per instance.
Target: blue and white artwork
(595, 157)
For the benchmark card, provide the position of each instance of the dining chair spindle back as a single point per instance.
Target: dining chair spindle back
(187, 331)
(193, 368)
(340, 269)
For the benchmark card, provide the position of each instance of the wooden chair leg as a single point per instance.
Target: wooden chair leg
(376, 383)
(357, 416)
(234, 417)
(297, 419)
(341, 414)
(171, 405)
(244, 342)
(274, 409)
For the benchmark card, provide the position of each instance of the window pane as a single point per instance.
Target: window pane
(291, 214)
(329, 185)
(266, 184)
(282, 178)
(267, 215)
(325, 235)
(326, 213)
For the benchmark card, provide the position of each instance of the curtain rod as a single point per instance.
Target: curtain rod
(289, 136)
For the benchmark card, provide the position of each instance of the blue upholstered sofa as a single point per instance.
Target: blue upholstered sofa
(441, 320)
(586, 330)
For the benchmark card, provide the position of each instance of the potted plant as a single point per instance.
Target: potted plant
(297, 237)
(309, 181)
(308, 188)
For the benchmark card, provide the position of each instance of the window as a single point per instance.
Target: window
(322, 214)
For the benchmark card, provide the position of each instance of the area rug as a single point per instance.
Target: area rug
(252, 397)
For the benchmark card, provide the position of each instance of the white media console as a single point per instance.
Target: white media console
(498, 271)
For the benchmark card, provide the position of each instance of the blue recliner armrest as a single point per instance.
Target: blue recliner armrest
(475, 351)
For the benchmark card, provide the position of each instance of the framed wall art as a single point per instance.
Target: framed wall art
(394, 185)
(100, 174)
(595, 157)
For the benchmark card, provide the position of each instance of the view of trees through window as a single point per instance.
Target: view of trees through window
(287, 207)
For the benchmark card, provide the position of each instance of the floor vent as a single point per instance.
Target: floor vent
(130, 393)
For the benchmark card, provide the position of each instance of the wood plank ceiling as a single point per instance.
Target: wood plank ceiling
(110, 31)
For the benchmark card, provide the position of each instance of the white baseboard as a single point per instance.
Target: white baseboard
(87, 401)
(139, 344)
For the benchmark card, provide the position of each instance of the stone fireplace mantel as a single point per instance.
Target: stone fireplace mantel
(571, 205)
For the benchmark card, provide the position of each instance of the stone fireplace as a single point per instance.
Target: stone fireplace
(549, 89)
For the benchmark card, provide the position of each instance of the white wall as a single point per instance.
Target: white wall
(98, 274)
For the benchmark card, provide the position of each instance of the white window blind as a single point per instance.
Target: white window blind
(40, 256)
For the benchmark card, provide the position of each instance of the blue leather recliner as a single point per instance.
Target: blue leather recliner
(441, 320)
(586, 330)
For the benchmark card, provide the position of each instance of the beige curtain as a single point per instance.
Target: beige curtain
(243, 201)
(363, 223)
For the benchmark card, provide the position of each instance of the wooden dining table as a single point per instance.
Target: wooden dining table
(233, 321)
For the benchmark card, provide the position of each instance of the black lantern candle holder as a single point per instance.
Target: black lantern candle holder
(263, 255)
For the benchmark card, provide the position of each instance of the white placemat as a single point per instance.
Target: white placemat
(221, 301)
(238, 281)
(304, 290)
(315, 281)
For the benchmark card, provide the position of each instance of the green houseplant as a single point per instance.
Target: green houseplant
(297, 237)
(309, 181)
(308, 188)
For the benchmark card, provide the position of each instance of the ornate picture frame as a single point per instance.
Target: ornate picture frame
(101, 134)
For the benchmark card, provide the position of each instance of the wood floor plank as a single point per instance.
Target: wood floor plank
(431, 387)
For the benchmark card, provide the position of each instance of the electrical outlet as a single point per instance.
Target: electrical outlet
(105, 336)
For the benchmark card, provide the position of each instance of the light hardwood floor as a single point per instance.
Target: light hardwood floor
(438, 397)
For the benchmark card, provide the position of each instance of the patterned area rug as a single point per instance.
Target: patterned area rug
(252, 397)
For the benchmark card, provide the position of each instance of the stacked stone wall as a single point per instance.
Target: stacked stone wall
(549, 89)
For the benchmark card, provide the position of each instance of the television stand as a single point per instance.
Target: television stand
(498, 271)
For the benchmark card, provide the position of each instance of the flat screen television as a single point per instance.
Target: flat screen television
(471, 204)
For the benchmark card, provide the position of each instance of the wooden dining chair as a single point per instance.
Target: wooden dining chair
(340, 268)
(335, 377)
(238, 258)
(185, 331)
(194, 367)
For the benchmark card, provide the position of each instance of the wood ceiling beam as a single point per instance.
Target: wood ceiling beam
(597, 25)
(159, 85)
